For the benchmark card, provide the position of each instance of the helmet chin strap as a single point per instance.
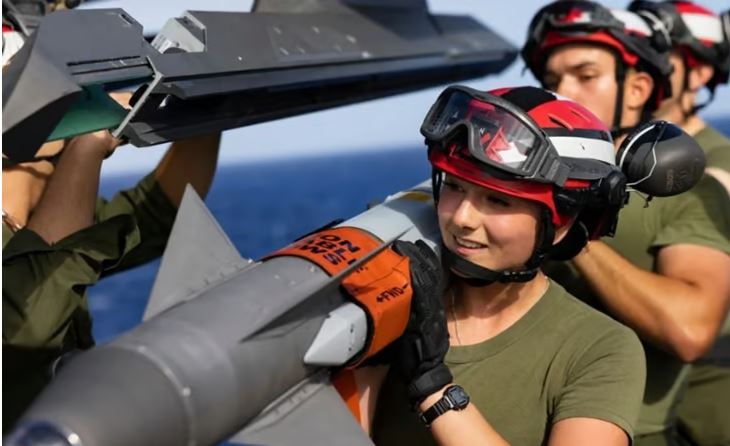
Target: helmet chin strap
(479, 276)
(686, 114)
(616, 129)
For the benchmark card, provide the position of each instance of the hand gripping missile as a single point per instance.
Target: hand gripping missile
(231, 344)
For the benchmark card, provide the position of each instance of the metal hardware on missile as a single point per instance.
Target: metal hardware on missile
(212, 71)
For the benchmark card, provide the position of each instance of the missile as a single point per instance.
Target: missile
(233, 347)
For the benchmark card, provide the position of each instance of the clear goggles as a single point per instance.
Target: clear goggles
(576, 15)
(498, 134)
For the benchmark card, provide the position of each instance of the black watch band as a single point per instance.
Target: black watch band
(454, 398)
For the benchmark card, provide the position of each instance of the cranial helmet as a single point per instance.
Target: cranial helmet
(623, 32)
(700, 35)
(535, 145)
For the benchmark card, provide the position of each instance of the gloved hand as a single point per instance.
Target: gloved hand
(418, 355)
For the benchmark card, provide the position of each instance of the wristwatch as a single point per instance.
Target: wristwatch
(454, 398)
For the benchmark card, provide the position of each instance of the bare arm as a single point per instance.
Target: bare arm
(452, 428)
(680, 307)
(582, 431)
(470, 427)
(191, 161)
(68, 203)
(467, 426)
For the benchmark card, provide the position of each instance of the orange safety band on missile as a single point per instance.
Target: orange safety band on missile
(346, 386)
(383, 288)
(332, 249)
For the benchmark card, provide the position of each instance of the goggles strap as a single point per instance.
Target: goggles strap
(686, 114)
(696, 108)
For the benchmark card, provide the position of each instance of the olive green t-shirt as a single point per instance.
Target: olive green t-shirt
(700, 216)
(716, 147)
(561, 360)
(45, 310)
(703, 412)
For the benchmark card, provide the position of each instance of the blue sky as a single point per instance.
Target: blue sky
(379, 124)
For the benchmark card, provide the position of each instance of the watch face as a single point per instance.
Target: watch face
(458, 396)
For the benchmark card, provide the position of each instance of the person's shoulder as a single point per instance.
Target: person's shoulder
(707, 190)
(710, 139)
(587, 325)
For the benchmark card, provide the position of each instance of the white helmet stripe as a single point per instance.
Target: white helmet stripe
(589, 148)
(12, 42)
(632, 21)
(703, 26)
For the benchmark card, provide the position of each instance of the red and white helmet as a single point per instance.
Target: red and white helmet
(625, 33)
(535, 145)
(532, 144)
(12, 42)
(699, 34)
(529, 143)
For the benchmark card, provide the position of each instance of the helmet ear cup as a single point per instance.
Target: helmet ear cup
(613, 188)
(660, 159)
(571, 244)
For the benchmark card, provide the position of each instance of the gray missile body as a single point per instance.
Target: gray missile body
(226, 353)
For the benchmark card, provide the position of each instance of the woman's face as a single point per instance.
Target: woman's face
(488, 228)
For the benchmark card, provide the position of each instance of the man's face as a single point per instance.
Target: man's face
(586, 74)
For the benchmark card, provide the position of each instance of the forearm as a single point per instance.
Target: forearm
(191, 161)
(467, 426)
(668, 312)
(68, 202)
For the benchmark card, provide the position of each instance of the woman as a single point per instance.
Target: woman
(504, 355)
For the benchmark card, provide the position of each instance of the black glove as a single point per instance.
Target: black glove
(418, 355)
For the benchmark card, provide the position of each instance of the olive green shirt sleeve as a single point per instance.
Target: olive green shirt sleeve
(154, 215)
(44, 285)
(700, 216)
(719, 158)
(606, 381)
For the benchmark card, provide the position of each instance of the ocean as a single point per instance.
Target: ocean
(265, 205)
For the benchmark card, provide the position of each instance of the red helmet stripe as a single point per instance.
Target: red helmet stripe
(554, 39)
(529, 190)
(692, 8)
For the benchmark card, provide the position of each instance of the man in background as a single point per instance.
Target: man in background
(612, 63)
(700, 56)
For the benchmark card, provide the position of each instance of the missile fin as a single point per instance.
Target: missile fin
(298, 418)
(342, 335)
(198, 254)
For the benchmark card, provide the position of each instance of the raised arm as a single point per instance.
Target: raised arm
(68, 203)
(193, 161)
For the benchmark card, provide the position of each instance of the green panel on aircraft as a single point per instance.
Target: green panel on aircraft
(95, 110)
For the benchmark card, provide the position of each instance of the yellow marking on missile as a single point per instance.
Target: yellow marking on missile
(416, 196)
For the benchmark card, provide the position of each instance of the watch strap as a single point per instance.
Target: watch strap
(441, 406)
